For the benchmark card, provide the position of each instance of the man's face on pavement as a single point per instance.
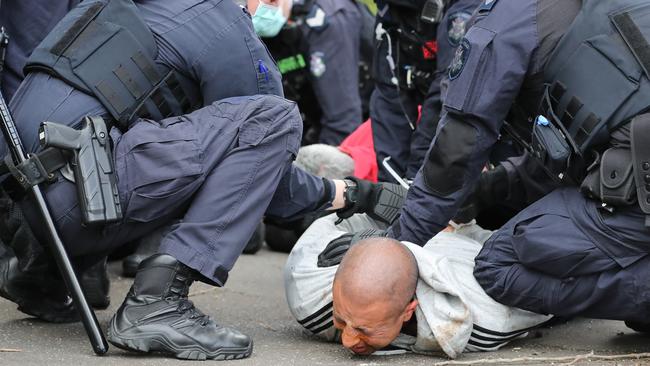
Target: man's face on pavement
(369, 327)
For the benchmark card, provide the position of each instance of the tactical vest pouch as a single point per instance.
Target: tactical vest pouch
(104, 49)
(612, 181)
(550, 147)
(640, 136)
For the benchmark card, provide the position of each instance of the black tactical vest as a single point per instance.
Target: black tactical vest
(597, 78)
(105, 49)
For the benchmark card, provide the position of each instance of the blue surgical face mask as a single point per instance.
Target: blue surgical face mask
(268, 20)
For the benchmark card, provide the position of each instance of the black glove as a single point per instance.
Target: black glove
(491, 189)
(381, 201)
(336, 249)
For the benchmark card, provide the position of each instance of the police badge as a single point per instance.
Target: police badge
(460, 58)
(456, 27)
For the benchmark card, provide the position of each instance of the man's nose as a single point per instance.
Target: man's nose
(349, 338)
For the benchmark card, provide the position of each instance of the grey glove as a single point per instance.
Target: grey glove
(336, 249)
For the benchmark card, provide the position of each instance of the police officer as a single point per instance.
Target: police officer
(409, 36)
(328, 32)
(160, 59)
(450, 32)
(574, 252)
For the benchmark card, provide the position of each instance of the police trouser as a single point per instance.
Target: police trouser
(425, 131)
(564, 256)
(391, 131)
(213, 172)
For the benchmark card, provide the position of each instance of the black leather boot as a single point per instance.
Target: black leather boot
(96, 285)
(156, 316)
(37, 291)
(257, 240)
(638, 326)
(147, 247)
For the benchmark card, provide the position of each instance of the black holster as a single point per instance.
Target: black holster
(92, 163)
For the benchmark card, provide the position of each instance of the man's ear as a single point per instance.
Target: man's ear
(408, 311)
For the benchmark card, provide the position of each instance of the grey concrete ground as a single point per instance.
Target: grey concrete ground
(254, 302)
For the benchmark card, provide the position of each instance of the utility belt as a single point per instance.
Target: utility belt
(87, 152)
(621, 176)
(617, 175)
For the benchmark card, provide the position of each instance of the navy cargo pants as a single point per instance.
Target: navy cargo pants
(564, 256)
(213, 172)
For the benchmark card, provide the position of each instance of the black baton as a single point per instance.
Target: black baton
(63, 262)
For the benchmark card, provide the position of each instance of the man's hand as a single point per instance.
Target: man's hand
(336, 249)
(380, 201)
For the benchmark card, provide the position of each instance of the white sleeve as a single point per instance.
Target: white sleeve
(309, 287)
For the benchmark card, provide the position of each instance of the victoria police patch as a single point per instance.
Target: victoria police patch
(457, 26)
(460, 58)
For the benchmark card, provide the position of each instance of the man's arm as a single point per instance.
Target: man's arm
(485, 77)
(450, 33)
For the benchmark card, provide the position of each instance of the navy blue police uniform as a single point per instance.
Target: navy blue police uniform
(27, 22)
(570, 253)
(471, 118)
(450, 33)
(331, 34)
(404, 68)
(167, 168)
(188, 153)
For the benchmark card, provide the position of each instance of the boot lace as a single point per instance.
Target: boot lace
(187, 307)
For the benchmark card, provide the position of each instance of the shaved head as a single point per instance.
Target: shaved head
(378, 270)
(373, 293)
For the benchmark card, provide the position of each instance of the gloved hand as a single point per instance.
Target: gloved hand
(380, 201)
(491, 189)
(336, 249)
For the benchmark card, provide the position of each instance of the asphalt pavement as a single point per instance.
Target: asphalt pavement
(253, 302)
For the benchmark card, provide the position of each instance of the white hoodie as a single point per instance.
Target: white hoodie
(454, 313)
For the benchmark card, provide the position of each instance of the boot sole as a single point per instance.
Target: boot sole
(156, 342)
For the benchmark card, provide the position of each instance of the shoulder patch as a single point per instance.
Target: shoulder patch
(316, 19)
(457, 26)
(317, 64)
(487, 6)
(460, 58)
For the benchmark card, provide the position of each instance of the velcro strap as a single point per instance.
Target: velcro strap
(634, 38)
(72, 33)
